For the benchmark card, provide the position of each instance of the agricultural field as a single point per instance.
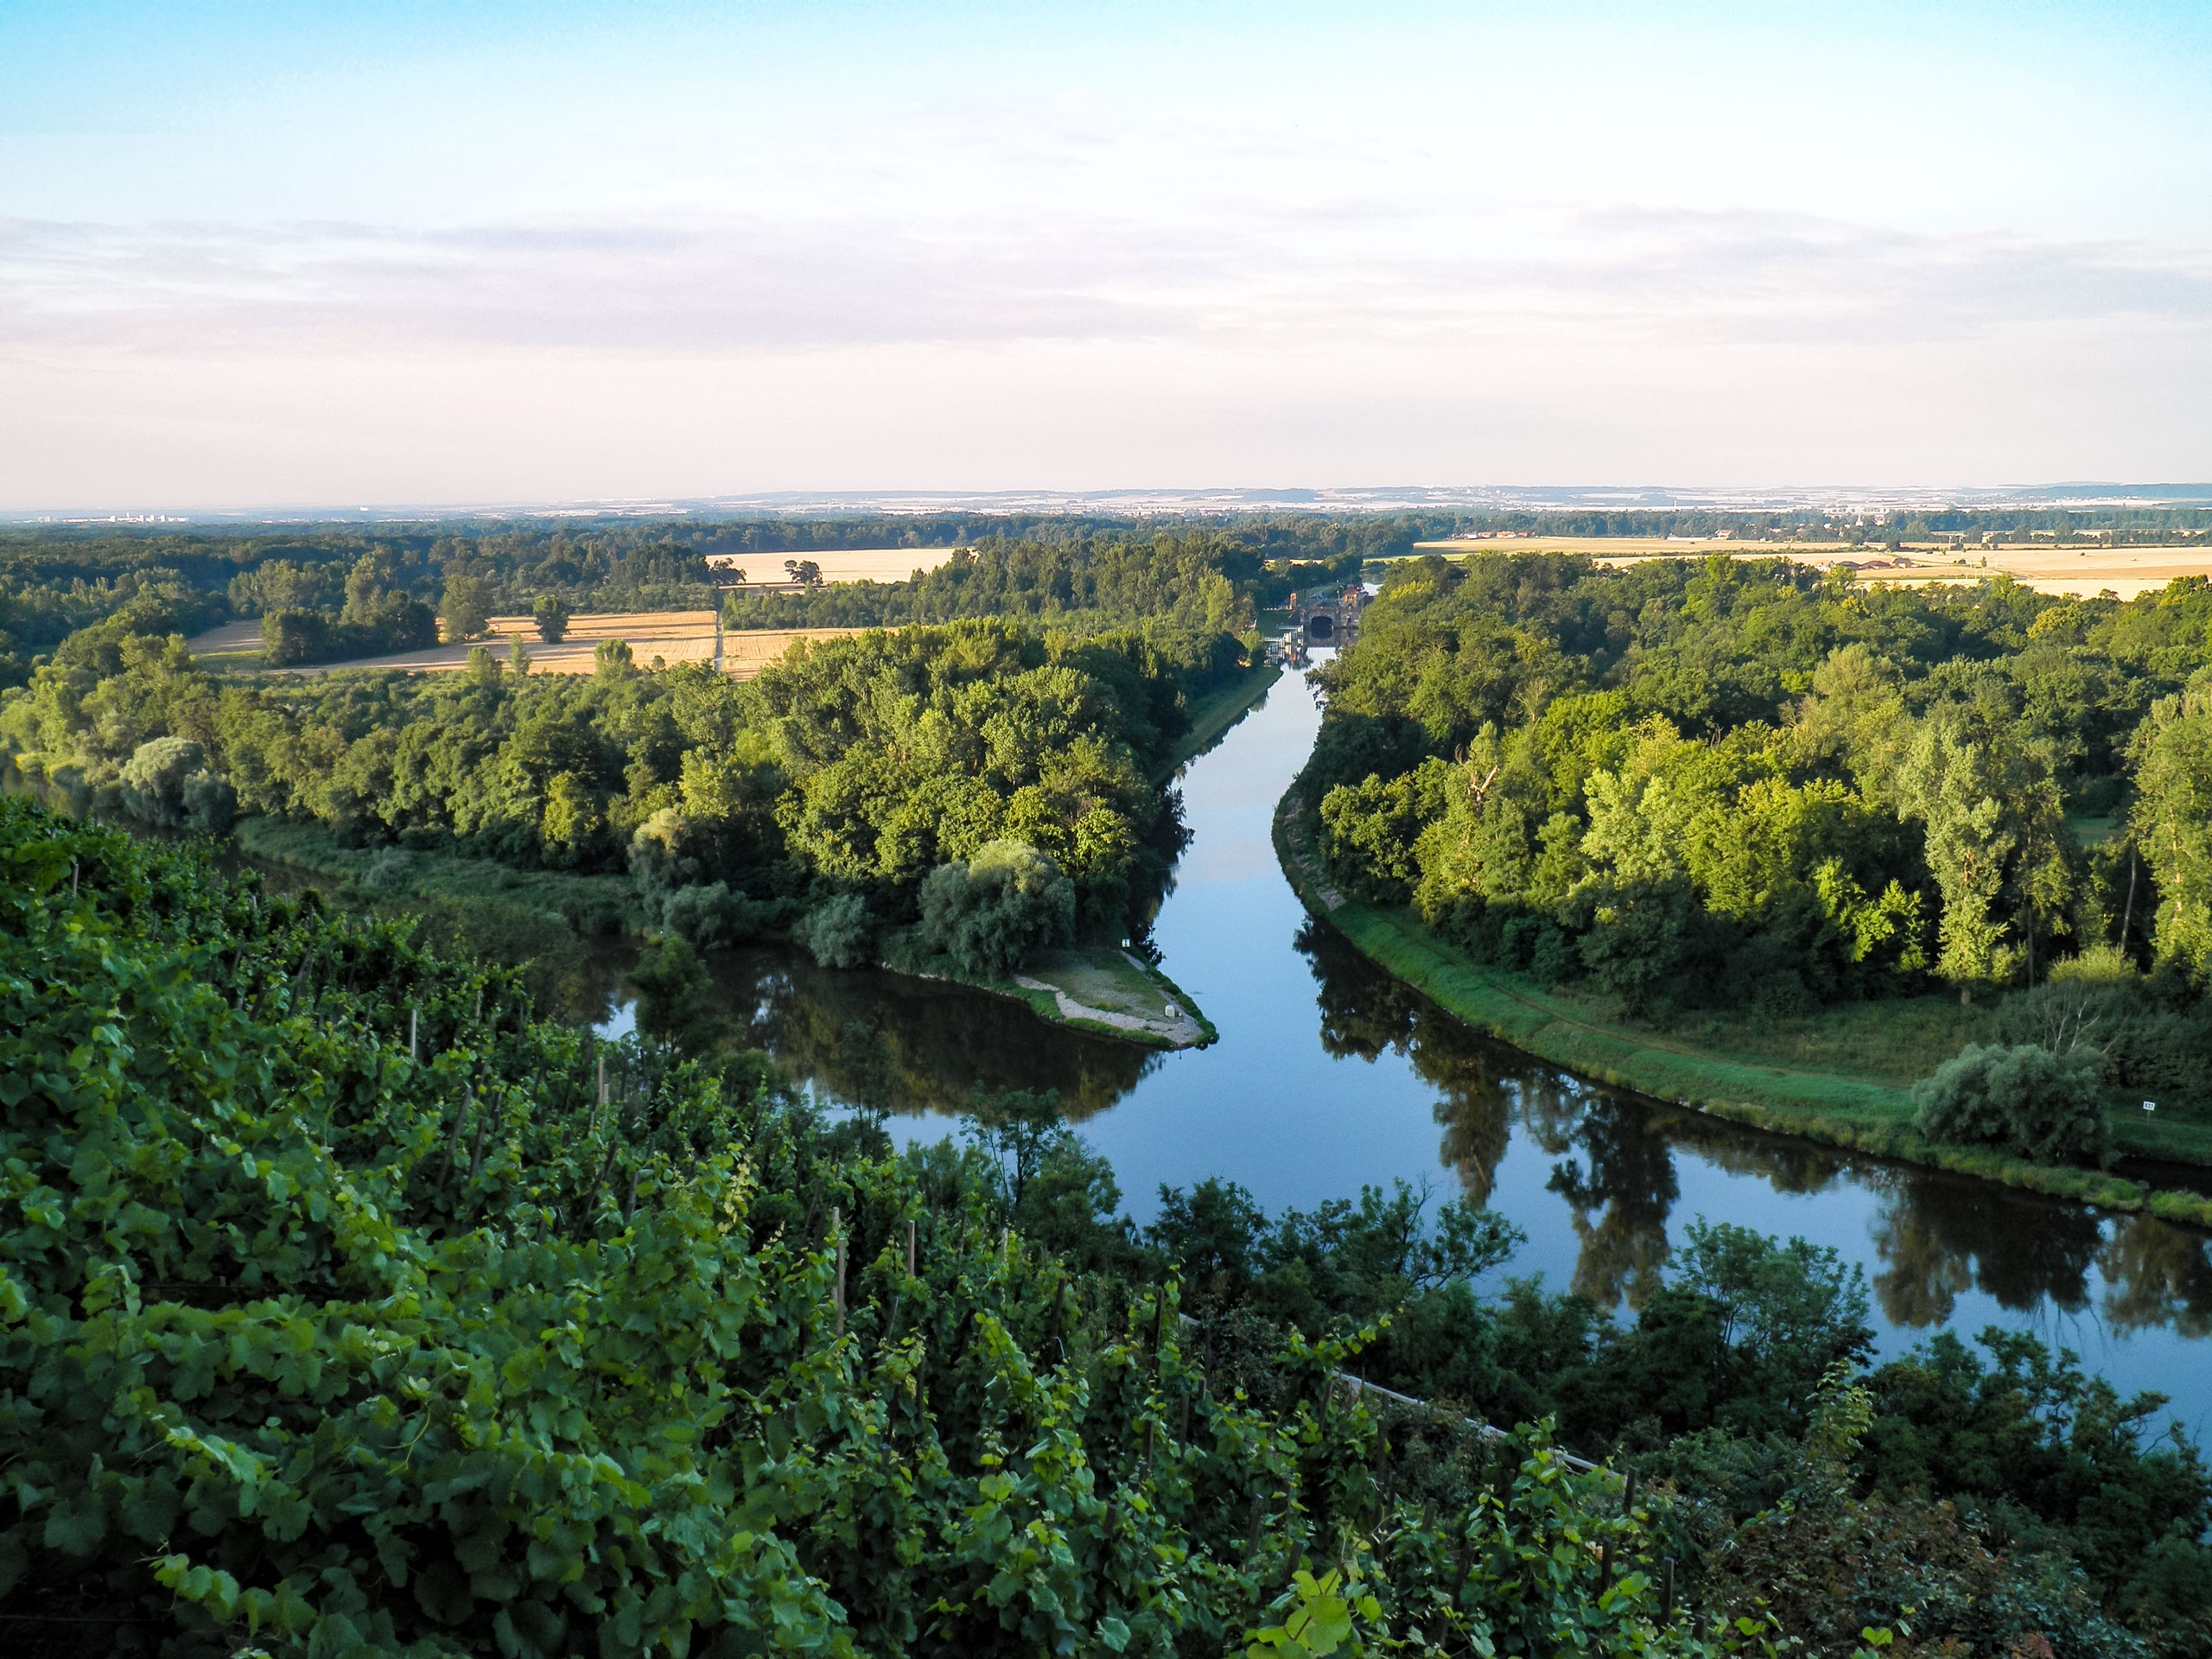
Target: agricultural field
(662, 637)
(836, 564)
(2079, 570)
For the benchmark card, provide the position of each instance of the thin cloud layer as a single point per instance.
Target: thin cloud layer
(1324, 279)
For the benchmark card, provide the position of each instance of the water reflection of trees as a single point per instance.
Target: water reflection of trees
(895, 1044)
(1365, 1013)
(1937, 1238)
(1616, 1176)
(892, 1043)
(2157, 1273)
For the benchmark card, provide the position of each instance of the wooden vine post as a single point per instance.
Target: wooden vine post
(836, 1226)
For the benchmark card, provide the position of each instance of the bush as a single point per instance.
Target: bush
(841, 933)
(2023, 1100)
(2138, 1043)
(389, 869)
(993, 914)
(710, 916)
(167, 783)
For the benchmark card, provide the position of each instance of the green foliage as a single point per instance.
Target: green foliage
(345, 1308)
(166, 783)
(859, 765)
(1174, 582)
(396, 623)
(839, 931)
(2052, 1457)
(907, 752)
(2173, 822)
(2024, 1099)
(2148, 1044)
(552, 613)
(710, 916)
(993, 914)
(465, 608)
(1735, 783)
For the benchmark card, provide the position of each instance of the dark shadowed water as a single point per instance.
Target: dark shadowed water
(1329, 1075)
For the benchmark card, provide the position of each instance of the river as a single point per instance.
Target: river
(1330, 1075)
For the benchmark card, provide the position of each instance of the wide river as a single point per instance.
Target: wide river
(1329, 1075)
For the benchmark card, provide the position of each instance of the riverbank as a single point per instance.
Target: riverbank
(1109, 991)
(545, 920)
(1213, 714)
(1857, 1113)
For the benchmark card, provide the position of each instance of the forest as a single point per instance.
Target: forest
(57, 580)
(348, 1307)
(1751, 785)
(843, 776)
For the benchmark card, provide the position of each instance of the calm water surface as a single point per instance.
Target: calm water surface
(1329, 1075)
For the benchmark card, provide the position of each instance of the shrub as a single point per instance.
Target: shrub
(2138, 1043)
(711, 916)
(2023, 1100)
(841, 933)
(167, 783)
(389, 869)
(991, 915)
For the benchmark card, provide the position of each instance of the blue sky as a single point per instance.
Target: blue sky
(292, 253)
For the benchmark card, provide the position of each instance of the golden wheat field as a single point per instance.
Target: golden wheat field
(2082, 571)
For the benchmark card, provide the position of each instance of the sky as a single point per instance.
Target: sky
(303, 254)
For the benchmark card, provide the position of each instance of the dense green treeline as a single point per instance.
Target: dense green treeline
(853, 769)
(345, 1308)
(954, 799)
(1749, 785)
(56, 579)
(326, 594)
(1190, 581)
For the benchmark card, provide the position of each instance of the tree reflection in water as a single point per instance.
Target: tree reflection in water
(2157, 1273)
(1937, 1238)
(1364, 1011)
(892, 1043)
(1617, 1177)
(887, 1043)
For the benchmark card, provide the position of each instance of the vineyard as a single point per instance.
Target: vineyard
(346, 1307)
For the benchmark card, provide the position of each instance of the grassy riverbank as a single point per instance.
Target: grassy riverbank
(1108, 992)
(1212, 714)
(544, 921)
(1838, 1104)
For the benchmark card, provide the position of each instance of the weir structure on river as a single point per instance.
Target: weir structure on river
(1329, 1075)
(1328, 618)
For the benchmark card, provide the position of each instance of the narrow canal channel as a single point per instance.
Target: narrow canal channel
(1329, 1075)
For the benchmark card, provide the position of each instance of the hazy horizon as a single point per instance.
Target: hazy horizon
(1864, 501)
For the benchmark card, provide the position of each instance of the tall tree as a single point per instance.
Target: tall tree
(2173, 821)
